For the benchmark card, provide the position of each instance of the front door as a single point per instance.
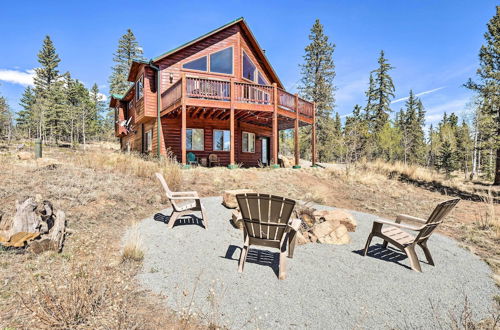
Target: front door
(265, 151)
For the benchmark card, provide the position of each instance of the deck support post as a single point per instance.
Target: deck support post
(296, 134)
(275, 137)
(232, 146)
(313, 137)
(183, 121)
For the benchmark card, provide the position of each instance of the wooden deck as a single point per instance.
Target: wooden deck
(222, 94)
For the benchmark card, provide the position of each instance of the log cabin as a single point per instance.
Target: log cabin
(217, 94)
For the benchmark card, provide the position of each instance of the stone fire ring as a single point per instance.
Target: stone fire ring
(327, 286)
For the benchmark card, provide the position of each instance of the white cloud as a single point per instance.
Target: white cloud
(418, 94)
(450, 106)
(102, 97)
(17, 76)
(351, 91)
(435, 113)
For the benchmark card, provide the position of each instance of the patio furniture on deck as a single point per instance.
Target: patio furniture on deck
(213, 159)
(179, 210)
(392, 233)
(266, 222)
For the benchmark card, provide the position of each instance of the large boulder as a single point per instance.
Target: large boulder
(339, 235)
(340, 216)
(229, 197)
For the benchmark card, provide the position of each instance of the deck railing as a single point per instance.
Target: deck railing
(171, 95)
(305, 108)
(208, 89)
(286, 100)
(251, 93)
(220, 90)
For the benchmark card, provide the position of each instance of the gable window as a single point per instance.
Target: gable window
(248, 68)
(195, 139)
(139, 88)
(248, 142)
(261, 80)
(199, 64)
(222, 61)
(221, 140)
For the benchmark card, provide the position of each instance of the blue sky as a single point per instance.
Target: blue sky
(433, 45)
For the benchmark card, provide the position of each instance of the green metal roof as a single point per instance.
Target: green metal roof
(117, 96)
(197, 39)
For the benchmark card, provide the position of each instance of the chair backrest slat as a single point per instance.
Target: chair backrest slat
(168, 192)
(265, 216)
(436, 218)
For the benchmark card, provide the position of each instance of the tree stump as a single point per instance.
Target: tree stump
(35, 225)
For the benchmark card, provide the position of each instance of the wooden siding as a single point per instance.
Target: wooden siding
(172, 135)
(232, 36)
(150, 100)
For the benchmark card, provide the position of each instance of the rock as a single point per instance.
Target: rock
(25, 155)
(301, 239)
(324, 229)
(236, 220)
(338, 236)
(229, 197)
(307, 219)
(343, 217)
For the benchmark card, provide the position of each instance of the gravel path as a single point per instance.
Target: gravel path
(327, 286)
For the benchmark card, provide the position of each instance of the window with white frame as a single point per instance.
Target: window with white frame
(222, 61)
(222, 140)
(248, 142)
(148, 141)
(250, 71)
(195, 139)
(139, 88)
(199, 64)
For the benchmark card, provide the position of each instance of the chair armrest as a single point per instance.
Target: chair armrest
(184, 193)
(295, 224)
(175, 198)
(399, 225)
(406, 217)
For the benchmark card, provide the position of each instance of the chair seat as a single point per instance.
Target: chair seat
(185, 207)
(398, 235)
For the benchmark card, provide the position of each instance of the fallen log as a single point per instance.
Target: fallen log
(34, 226)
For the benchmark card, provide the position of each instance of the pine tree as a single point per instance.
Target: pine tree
(128, 51)
(413, 128)
(25, 120)
(382, 93)
(47, 90)
(5, 119)
(488, 86)
(370, 97)
(355, 135)
(47, 74)
(318, 72)
(447, 158)
(95, 116)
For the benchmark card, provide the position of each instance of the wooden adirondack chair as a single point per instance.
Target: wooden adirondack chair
(392, 233)
(266, 222)
(185, 209)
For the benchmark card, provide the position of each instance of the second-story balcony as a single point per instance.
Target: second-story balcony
(209, 92)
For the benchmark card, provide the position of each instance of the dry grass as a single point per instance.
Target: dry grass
(488, 219)
(104, 192)
(132, 164)
(133, 249)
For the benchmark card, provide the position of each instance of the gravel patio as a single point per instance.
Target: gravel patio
(327, 286)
